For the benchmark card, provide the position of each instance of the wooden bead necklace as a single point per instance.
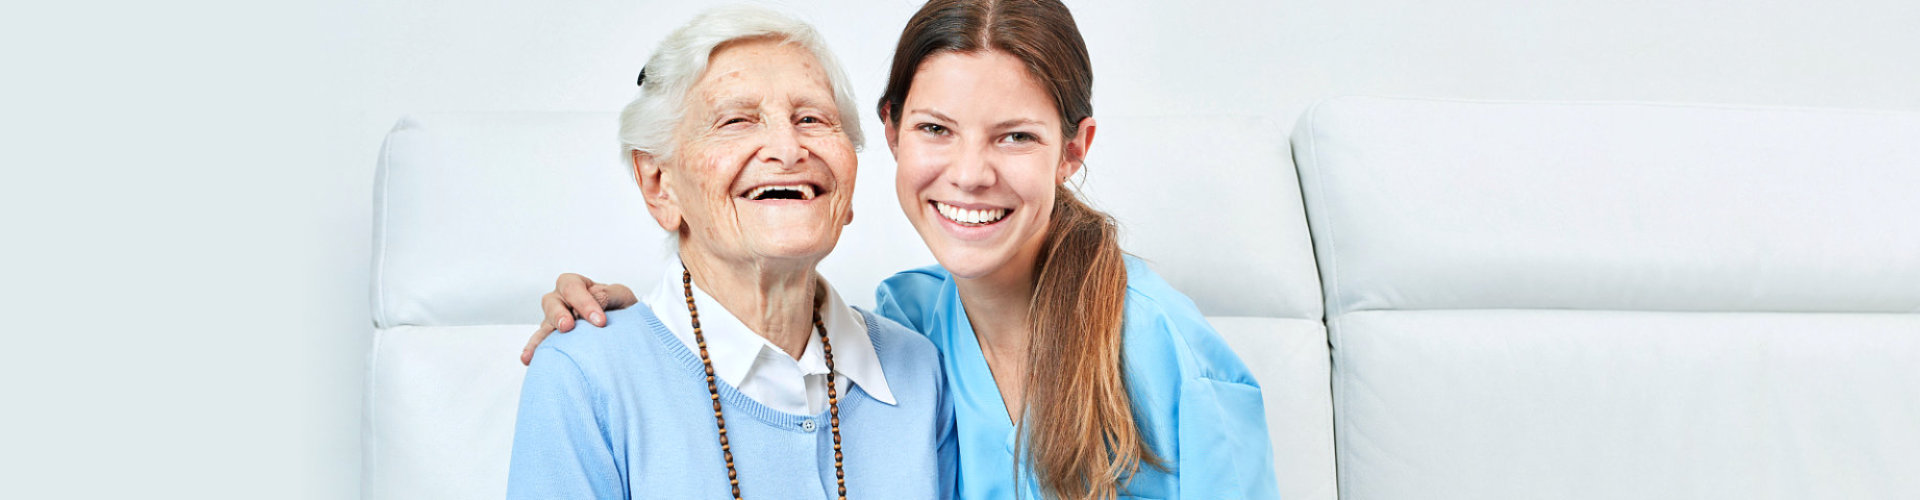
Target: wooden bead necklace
(713, 391)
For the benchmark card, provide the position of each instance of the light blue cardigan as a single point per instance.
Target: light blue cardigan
(623, 412)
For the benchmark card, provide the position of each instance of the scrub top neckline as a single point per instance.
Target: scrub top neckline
(976, 359)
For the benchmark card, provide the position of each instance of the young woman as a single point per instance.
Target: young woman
(1075, 371)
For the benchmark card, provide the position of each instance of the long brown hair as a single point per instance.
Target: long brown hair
(1080, 433)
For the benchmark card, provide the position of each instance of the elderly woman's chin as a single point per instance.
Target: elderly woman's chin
(790, 229)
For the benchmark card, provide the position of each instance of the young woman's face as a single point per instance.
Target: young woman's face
(980, 151)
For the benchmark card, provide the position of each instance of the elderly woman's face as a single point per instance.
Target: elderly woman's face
(763, 169)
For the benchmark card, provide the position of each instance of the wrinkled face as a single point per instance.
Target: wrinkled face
(979, 150)
(762, 169)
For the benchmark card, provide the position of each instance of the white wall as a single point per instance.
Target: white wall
(187, 186)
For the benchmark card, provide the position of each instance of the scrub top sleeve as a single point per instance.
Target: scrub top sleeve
(558, 448)
(907, 298)
(1225, 451)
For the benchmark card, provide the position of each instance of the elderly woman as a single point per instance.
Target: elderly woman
(742, 141)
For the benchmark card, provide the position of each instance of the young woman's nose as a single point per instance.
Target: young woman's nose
(972, 170)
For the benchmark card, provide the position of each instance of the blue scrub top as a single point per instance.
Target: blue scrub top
(1195, 400)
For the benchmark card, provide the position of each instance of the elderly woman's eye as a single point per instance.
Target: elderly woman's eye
(811, 120)
(734, 120)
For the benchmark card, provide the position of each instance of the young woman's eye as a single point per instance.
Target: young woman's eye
(1021, 138)
(932, 129)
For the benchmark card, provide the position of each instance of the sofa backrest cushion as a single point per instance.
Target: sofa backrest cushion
(1612, 206)
(1587, 301)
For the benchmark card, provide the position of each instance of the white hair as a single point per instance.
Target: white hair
(648, 122)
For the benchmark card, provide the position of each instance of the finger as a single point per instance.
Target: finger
(526, 353)
(571, 279)
(599, 293)
(580, 301)
(556, 312)
(620, 297)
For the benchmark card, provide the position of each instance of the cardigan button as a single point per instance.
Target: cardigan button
(807, 425)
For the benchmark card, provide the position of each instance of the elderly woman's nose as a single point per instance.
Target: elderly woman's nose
(782, 144)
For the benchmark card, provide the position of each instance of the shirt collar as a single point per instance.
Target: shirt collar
(853, 353)
(735, 350)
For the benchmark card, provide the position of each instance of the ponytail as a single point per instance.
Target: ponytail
(1080, 428)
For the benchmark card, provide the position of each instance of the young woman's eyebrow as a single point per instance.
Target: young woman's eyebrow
(933, 113)
(1016, 122)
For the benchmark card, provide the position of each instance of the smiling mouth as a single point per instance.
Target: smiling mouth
(971, 217)
(781, 192)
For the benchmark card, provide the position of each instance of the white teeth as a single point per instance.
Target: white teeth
(806, 191)
(968, 216)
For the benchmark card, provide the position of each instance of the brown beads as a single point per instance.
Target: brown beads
(713, 391)
(833, 403)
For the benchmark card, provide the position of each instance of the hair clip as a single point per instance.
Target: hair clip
(643, 77)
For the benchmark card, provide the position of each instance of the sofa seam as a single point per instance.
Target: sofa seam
(1651, 104)
(369, 442)
(1618, 310)
(380, 231)
(1337, 387)
(1330, 277)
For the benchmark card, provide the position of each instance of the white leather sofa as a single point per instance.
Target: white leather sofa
(1572, 300)
(1526, 300)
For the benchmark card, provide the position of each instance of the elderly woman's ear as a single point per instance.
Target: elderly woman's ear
(653, 187)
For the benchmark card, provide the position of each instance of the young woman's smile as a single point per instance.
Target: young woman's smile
(979, 149)
(970, 221)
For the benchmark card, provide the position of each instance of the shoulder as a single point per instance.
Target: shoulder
(918, 284)
(894, 340)
(597, 349)
(908, 296)
(910, 362)
(1152, 302)
(1145, 284)
(1164, 331)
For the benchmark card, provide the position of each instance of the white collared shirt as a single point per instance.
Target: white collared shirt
(763, 371)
